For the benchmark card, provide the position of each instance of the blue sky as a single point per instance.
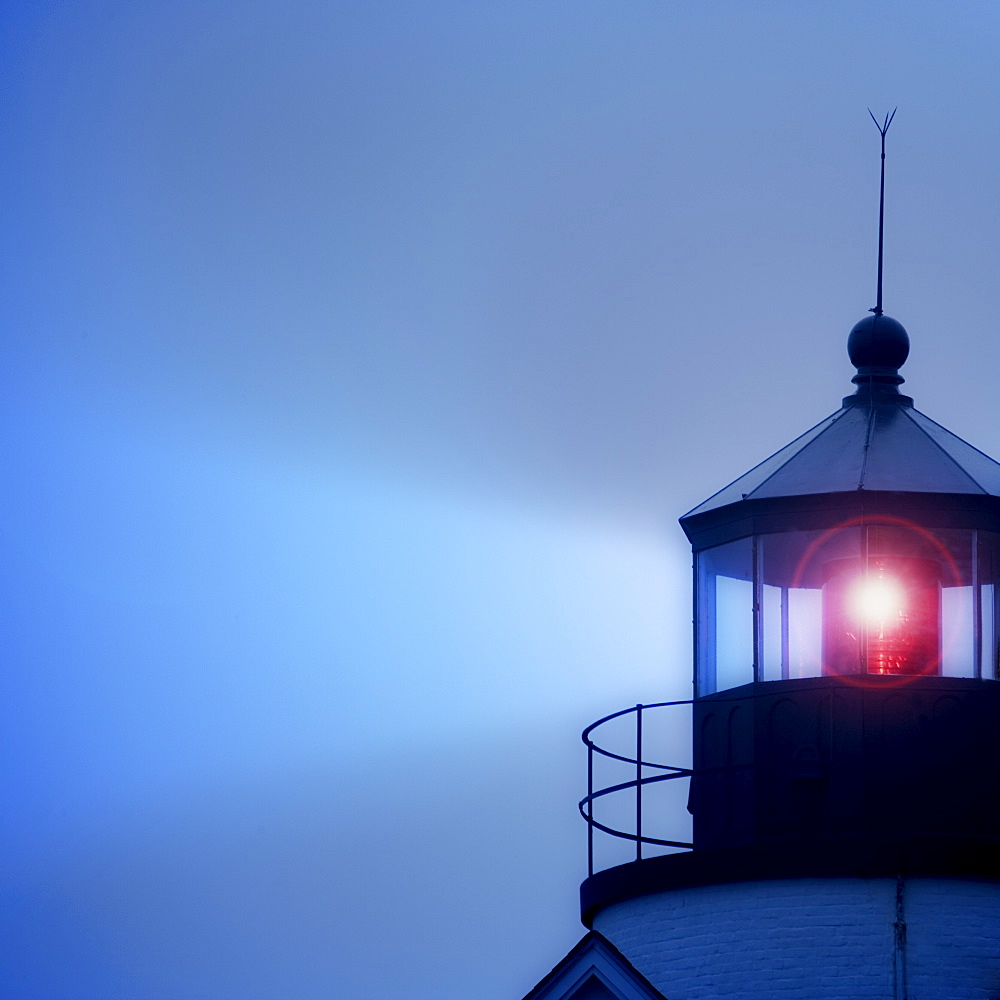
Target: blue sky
(359, 359)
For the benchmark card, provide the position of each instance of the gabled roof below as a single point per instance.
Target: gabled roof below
(594, 970)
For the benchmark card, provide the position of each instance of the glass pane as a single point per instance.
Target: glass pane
(988, 596)
(805, 630)
(989, 634)
(957, 632)
(772, 628)
(734, 632)
(794, 567)
(725, 616)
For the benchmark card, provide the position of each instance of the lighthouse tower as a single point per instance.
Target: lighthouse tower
(838, 832)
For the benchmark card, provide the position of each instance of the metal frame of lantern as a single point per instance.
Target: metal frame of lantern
(831, 771)
(837, 727)
(773, 581)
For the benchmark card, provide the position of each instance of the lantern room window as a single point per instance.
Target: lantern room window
(885, 597)
(725, 613)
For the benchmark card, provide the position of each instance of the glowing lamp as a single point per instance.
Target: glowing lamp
(882, 617)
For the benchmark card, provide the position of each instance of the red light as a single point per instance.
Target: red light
(883, 617)
(878, 600)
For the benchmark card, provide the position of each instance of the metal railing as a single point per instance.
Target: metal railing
(637, 785)
(632, 819)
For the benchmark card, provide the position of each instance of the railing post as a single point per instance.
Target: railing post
(638, 782)
(590, 808)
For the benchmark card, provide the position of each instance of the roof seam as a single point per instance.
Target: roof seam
(978, 451)
(868, 442)
(828, 420)
(833, 419)
(951, 458)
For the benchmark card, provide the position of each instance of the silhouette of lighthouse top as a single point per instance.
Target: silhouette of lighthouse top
(844, 731)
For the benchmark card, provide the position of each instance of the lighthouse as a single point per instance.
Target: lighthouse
(832, 829)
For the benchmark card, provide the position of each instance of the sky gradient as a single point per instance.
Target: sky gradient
(359, 360)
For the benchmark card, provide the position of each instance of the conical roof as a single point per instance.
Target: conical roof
(876, 441)
(874, 447)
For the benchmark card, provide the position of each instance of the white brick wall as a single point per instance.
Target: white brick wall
(813, 939)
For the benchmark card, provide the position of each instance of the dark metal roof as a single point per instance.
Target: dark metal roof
(875, 441)
(881, 446)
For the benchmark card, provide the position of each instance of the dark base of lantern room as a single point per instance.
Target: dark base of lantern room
(833, 758)
(834, 777)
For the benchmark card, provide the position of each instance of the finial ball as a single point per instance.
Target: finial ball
(878, 341)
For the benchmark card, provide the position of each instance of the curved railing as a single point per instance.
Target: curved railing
(636, 743)
(638, 785)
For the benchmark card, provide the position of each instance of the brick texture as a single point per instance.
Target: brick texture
(814, 939)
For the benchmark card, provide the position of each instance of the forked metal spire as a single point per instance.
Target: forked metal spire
(883, 128)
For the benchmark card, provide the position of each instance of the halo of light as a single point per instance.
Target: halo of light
(947, 562)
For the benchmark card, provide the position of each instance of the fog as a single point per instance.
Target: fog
(358, 363)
